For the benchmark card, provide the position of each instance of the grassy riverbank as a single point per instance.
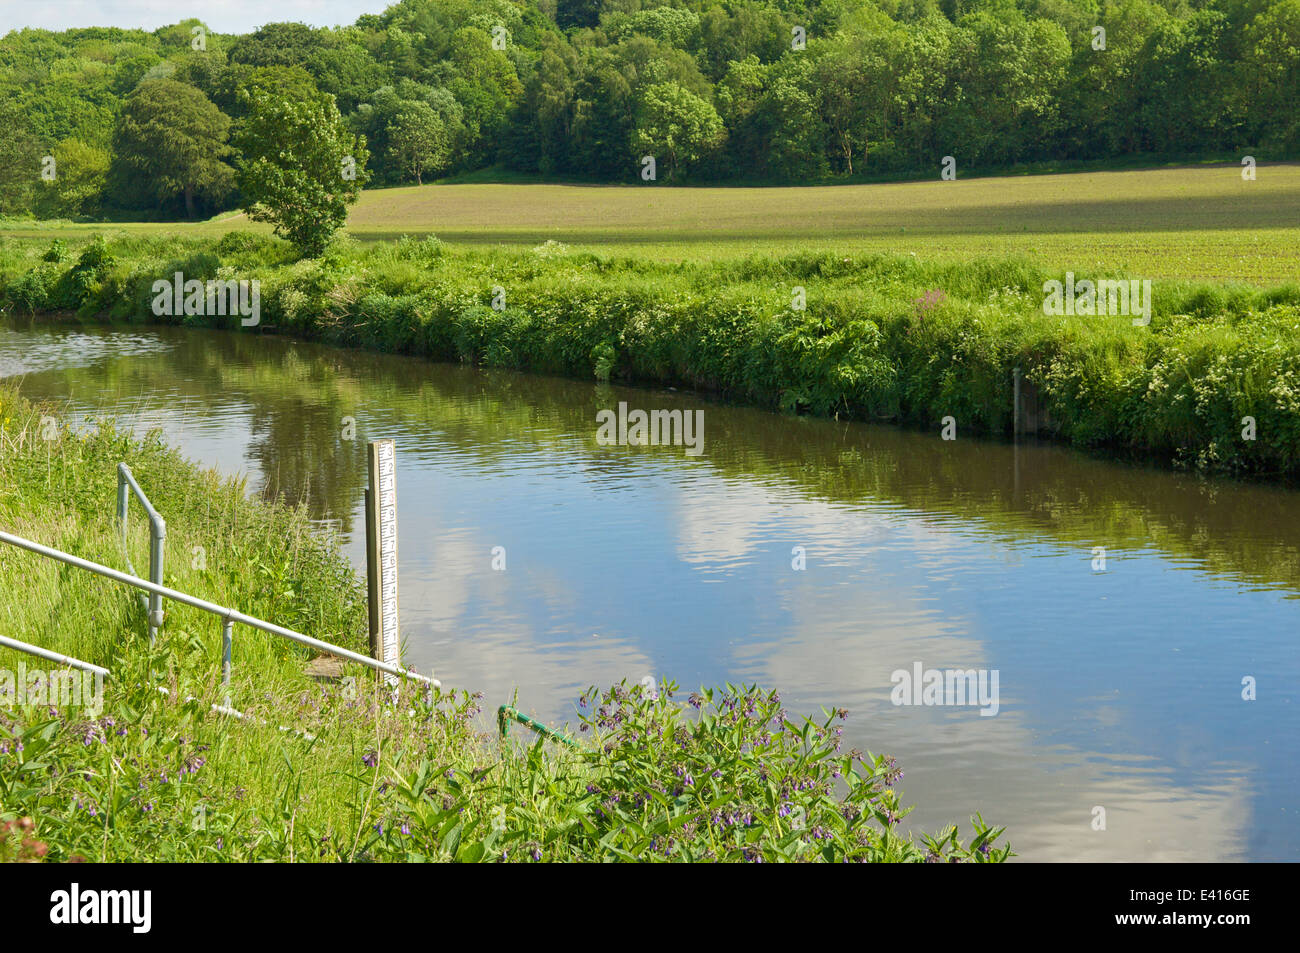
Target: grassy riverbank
(879, 337)
(152, 776)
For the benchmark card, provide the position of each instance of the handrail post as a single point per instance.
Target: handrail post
(122, 500)
(159, 537)
(227, 633)
(126, 484)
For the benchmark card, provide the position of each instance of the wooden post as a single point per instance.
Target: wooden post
(381, 552)
(1015, 400)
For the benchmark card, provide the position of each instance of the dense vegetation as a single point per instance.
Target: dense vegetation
(143, 122)
(881, 337)
(359, 775)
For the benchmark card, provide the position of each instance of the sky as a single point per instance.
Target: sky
(223, 16)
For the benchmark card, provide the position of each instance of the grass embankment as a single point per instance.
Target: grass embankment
(361, 776)
(881, 337)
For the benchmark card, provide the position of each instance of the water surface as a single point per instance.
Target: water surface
(1118, 688)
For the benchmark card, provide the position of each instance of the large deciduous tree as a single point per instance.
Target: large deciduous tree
(171, 141)
(674, 124)
(20, 160)
(301, 168)
(418, 140)
(77, 188)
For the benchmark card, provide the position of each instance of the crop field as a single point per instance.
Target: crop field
(1199, 223)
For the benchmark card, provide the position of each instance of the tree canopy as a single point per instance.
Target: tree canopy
(301, 167)
(763, 90)
(171, 141)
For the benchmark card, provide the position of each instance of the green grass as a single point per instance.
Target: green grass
(1196, 222)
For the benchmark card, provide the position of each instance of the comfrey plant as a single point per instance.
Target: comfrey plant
(727, 776)
(733, 777)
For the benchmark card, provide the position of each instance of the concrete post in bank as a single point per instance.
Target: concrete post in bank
(1016, 377)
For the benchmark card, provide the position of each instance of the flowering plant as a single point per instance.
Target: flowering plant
(734, 777)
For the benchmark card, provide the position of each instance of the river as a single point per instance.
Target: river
(1120, 675)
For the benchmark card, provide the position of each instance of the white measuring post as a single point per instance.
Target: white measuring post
(381, 553)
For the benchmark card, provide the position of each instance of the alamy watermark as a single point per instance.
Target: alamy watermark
(655, 428)
(63, 688)
(953, 686)
(213, 298)
(1102, 297)
(73, 906)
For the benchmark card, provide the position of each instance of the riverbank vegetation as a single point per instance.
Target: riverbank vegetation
(339, 769)
(1212, 382)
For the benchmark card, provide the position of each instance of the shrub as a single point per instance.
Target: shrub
(57, 253)
(31, 291)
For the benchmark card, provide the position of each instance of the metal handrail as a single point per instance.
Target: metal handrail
(228, 616)
(17, 646)
(157, 540)
(49, 656)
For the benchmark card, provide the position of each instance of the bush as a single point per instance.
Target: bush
(57, 253)
(31, 292)
(253, 247)
(742, 781)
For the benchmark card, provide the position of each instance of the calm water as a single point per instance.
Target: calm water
(1119, 689)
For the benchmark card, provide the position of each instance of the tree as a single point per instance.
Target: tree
(856, 85)
(235, 85)
(675, 124)
(81, 172)
(577, 13)
(1010, 72)
(1101, 101)
(1186, 86)
(301, 168)
(277, 44)
(1271, 75)
(171, 140)
(602, 126)
(20, 160)
(418, 141)
(738, 95)
(128, 71)
(541, 137)
(669, 25)
(487, 87)
(793, 129)
(747, 30)
(349, 72)
(377, 120)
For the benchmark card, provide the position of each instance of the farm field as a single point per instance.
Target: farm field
(1201, 223)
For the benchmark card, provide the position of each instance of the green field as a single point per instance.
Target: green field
(1201, 223)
